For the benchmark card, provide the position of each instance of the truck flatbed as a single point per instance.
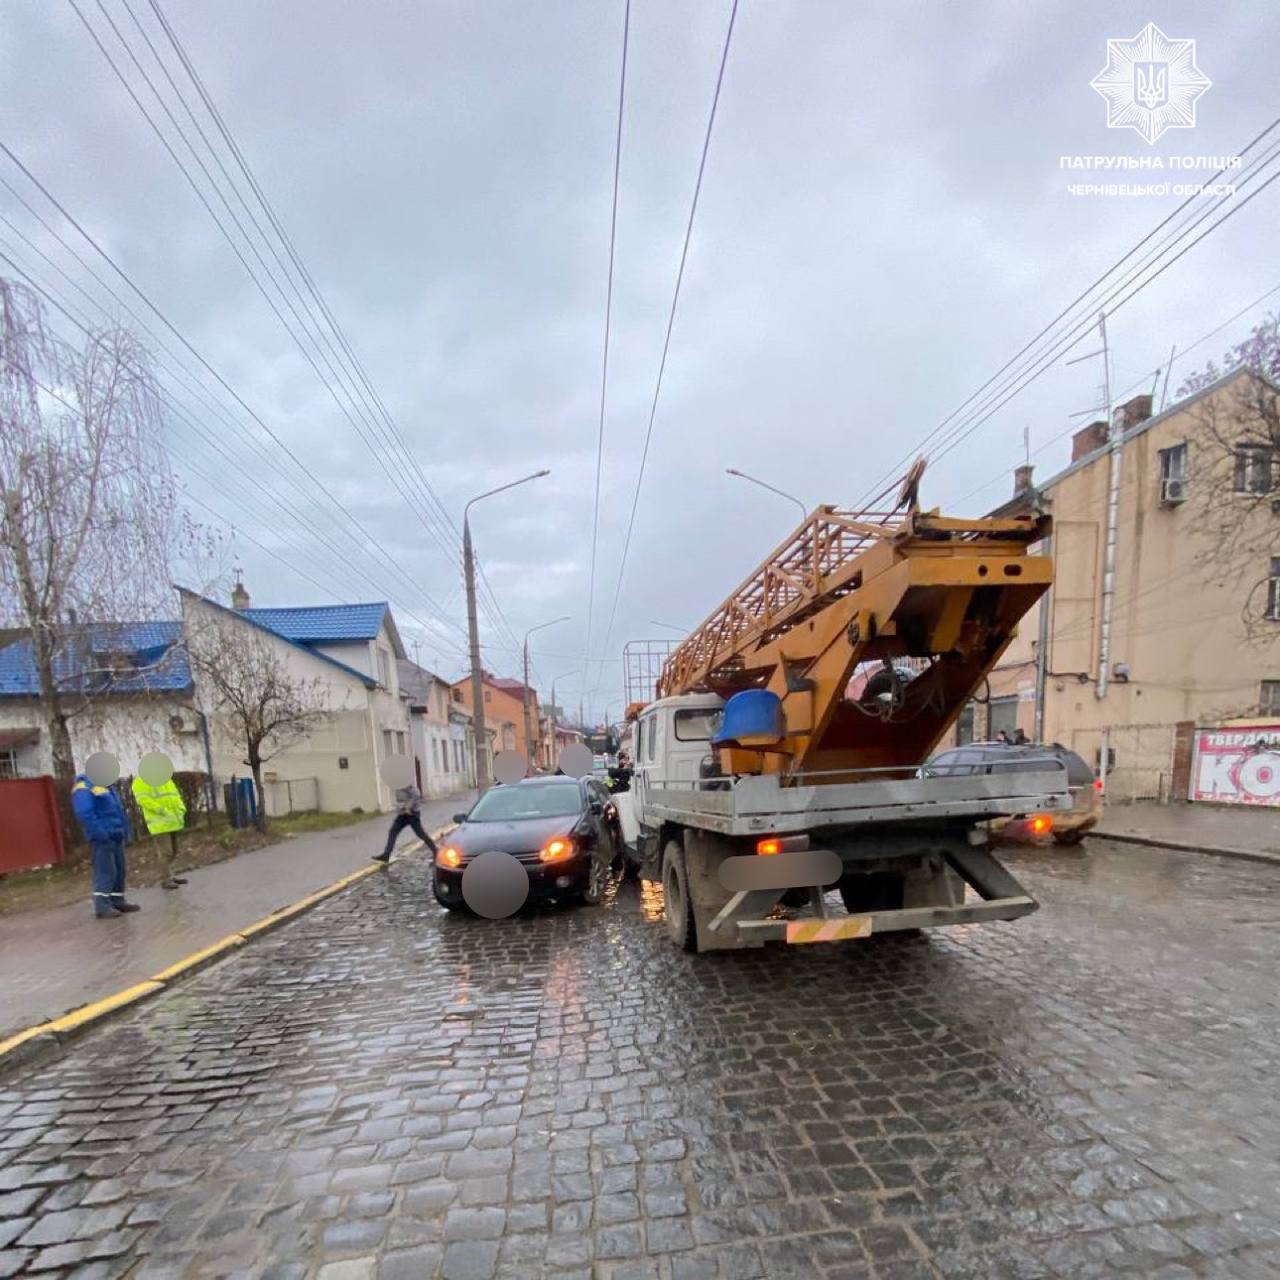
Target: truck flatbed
(754, 804)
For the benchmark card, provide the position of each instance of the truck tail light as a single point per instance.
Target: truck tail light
(1099, 786)
(782, 844)
(1041, 824)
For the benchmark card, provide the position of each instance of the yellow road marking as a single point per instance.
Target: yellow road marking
(229, 943)
(22, 1037)
(91, 1012)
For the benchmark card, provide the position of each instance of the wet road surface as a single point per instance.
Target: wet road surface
(381, 1090)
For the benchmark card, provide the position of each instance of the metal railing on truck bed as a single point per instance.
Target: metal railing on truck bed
(750, 804)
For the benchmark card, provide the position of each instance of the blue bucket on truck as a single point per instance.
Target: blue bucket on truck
(752, 718)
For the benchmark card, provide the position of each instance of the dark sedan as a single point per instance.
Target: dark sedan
(564, 831)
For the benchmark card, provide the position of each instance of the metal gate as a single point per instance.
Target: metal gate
(30, 830)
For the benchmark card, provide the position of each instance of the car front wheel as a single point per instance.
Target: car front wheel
(593, 886)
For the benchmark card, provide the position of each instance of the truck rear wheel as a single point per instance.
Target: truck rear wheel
(677, 907)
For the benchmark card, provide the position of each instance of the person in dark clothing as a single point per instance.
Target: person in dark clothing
(1002, 737)
(101, 817)
(408, 806)
(1019, 738)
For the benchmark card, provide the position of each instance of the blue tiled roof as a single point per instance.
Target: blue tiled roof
(158, 662)
(323, 624)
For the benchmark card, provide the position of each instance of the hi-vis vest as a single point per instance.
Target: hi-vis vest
(162, 807)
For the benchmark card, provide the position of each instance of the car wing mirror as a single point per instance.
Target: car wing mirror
(459, 817)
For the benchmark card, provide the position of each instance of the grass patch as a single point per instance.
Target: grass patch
(297, 824)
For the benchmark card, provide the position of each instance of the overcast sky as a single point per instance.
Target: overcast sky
(883, 224)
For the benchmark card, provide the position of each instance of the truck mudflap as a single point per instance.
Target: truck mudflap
(757, 888)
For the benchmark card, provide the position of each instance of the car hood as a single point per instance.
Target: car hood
(527, 835)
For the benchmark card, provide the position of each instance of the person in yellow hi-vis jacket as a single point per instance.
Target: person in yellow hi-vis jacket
(162, 808)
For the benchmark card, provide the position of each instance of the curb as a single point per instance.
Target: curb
(1183, 846)
(33, 1042)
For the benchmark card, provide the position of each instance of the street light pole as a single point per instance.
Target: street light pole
(473, 631)
(524, 698)
(554, 708)
(742, 475)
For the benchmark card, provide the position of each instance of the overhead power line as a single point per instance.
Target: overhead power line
(671, 320)
(181, 339)
(1083, 300)
(1182, 353)
(184, 460)
(343, 383)
(1110, 305)
(450, 537)
(608, 315)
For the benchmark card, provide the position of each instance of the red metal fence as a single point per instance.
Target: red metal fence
(30, 830)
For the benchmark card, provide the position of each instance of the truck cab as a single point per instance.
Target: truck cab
(671, 744)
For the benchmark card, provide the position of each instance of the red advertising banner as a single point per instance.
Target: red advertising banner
(1237, 766)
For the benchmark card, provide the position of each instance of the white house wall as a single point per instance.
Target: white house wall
(353, 733)
(127, 727)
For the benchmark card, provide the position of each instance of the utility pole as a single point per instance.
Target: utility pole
(525, 698)
(1113, 521)
(473, 631)
(477, 684)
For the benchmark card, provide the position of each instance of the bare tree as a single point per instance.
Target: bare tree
(246, 682)
(1234, 475)
(87, 518)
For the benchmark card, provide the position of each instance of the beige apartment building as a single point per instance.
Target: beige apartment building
(1175, 628)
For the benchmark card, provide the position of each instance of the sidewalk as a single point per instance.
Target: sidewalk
(1237, 830)
(56, 960)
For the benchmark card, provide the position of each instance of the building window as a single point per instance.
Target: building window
(400, 742)
(1273, 590)
(1270, 700)
(486, 696)
(1173, 475)
(1003, 715)
(388, 743)
(1173, 462)
(1253, 470)
(964, 726)
(457, 695)
(8, 763)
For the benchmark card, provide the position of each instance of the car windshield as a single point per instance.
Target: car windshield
(510, 804)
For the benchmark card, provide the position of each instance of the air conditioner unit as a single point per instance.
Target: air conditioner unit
(181, 724)
(1173, 491)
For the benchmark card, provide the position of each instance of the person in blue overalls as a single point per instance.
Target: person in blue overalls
(101, 817)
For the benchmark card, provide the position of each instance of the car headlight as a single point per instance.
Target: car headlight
(556, 850)
(449, 856)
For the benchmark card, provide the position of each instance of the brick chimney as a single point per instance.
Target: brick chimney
(1022, 478)
(1133, 412)
(239, 596)
(1087, 439)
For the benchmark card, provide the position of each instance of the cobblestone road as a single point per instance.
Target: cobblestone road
(382, 1091)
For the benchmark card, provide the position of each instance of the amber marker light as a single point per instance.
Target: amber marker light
(449, 857)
